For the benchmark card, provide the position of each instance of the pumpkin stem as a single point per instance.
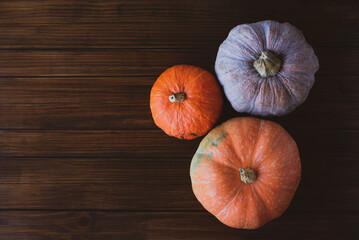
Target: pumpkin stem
(267, 64)
(178, 97)
(248, 175)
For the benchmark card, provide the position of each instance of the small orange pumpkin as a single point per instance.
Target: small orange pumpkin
(246, 171)
(186, 101)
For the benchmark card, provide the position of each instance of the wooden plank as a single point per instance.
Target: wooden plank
(154, 183)
(76, 116)
(179, 35)
(123, 103)
(136, 90)
(160, 195)
(130, 143)
(104, 62)
(66, 11)
(146, 143)
(95, 170)
(117, 62)
(124, 90)
(184, 24)
(127, 195)
(170, 170)
(138, 117)
(20, 225)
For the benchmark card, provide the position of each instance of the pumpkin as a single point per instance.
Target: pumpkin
(186, 101)
(246, 171)
(266, 68)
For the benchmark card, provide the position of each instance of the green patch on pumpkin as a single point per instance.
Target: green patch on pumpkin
(212, 140)
(219, 138)
(203, 155)
(198, 159)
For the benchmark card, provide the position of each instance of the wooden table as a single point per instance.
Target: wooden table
(81, 157)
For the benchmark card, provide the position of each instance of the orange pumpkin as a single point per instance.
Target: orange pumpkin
(186, 101)
(246, 171)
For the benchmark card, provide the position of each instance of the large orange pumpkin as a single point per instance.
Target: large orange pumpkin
(186, 101)
(246, 171)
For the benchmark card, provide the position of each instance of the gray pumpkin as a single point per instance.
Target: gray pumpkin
(266, 68)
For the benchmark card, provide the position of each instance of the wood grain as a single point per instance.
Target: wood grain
(140, 24)
(90, 143)
(123, 103)
(138, 184)
(75, 116)
(94, 170)
(68, 11)
(92, 89)
(120, 196)
(140, 62)
(144, 170)
(145, 143)
(20, 225)
(163, 34)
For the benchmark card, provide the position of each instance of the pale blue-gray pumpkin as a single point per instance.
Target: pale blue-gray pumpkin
(266, 68)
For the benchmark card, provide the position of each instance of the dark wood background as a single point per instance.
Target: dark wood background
(81, 157)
